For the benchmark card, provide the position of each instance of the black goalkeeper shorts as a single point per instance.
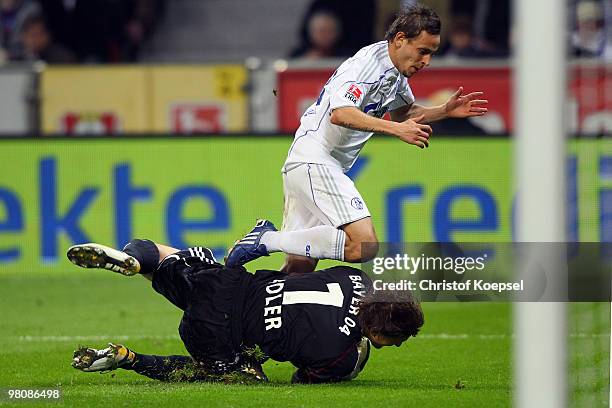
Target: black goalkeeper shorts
(211, 297)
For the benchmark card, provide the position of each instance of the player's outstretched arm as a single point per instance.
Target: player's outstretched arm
(427, 113)
(411, 131)
(465, 106)
(353, 118)
(458, 106)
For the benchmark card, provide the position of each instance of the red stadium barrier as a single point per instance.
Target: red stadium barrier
(590, 98)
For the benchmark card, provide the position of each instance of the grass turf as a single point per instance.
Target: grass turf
(44, 318)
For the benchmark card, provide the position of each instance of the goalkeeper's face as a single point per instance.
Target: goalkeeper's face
(379, 340)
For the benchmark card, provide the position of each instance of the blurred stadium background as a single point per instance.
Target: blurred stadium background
(171, 119)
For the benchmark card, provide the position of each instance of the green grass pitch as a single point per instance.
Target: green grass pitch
(461, 358)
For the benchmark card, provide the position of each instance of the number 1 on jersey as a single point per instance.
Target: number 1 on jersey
(334, 296)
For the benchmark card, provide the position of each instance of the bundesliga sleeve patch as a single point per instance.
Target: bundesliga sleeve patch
(353, 94)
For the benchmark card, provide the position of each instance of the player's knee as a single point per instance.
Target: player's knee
(369, 250)
(361, 244)
(361, 251)
(146, 252)
(299, 264)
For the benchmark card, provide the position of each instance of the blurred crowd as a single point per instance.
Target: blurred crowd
(592, 29)
(76, 31)
(471, 28)
(114, 31)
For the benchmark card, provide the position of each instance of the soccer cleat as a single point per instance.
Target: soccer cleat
(249, 247)
(103, 257)
(114, 356)
(254, 371)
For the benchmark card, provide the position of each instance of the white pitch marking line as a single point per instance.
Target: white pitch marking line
(94, 338)
(437, 336)
(463, 336)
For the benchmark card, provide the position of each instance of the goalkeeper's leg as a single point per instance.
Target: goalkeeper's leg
(114, 356)
(167, 368)
(139, 256)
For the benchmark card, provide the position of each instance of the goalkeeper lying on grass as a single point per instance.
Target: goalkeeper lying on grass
(322, 322)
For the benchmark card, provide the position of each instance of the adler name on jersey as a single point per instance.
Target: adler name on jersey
(272, 314)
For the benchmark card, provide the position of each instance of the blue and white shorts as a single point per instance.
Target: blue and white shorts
(316, 194)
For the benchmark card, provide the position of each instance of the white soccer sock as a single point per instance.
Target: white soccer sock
(321, 242)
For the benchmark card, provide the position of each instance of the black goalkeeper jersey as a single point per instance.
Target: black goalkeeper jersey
(310, 320)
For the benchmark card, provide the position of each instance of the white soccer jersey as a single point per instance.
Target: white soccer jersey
(368, 81)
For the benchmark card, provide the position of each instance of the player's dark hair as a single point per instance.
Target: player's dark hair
(412, 21)
(390, 314)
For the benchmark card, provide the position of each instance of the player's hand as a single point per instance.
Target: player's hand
(465, 106)
(413, 132)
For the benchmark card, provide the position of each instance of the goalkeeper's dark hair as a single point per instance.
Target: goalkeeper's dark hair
(413, 20)
(391, 314)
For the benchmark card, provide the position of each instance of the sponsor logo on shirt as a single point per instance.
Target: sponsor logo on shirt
(353, 94)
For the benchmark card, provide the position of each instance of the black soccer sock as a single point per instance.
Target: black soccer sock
(145, 252)
(164, 368)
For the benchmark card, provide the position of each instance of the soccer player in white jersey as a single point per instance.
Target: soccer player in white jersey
(325, 217)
